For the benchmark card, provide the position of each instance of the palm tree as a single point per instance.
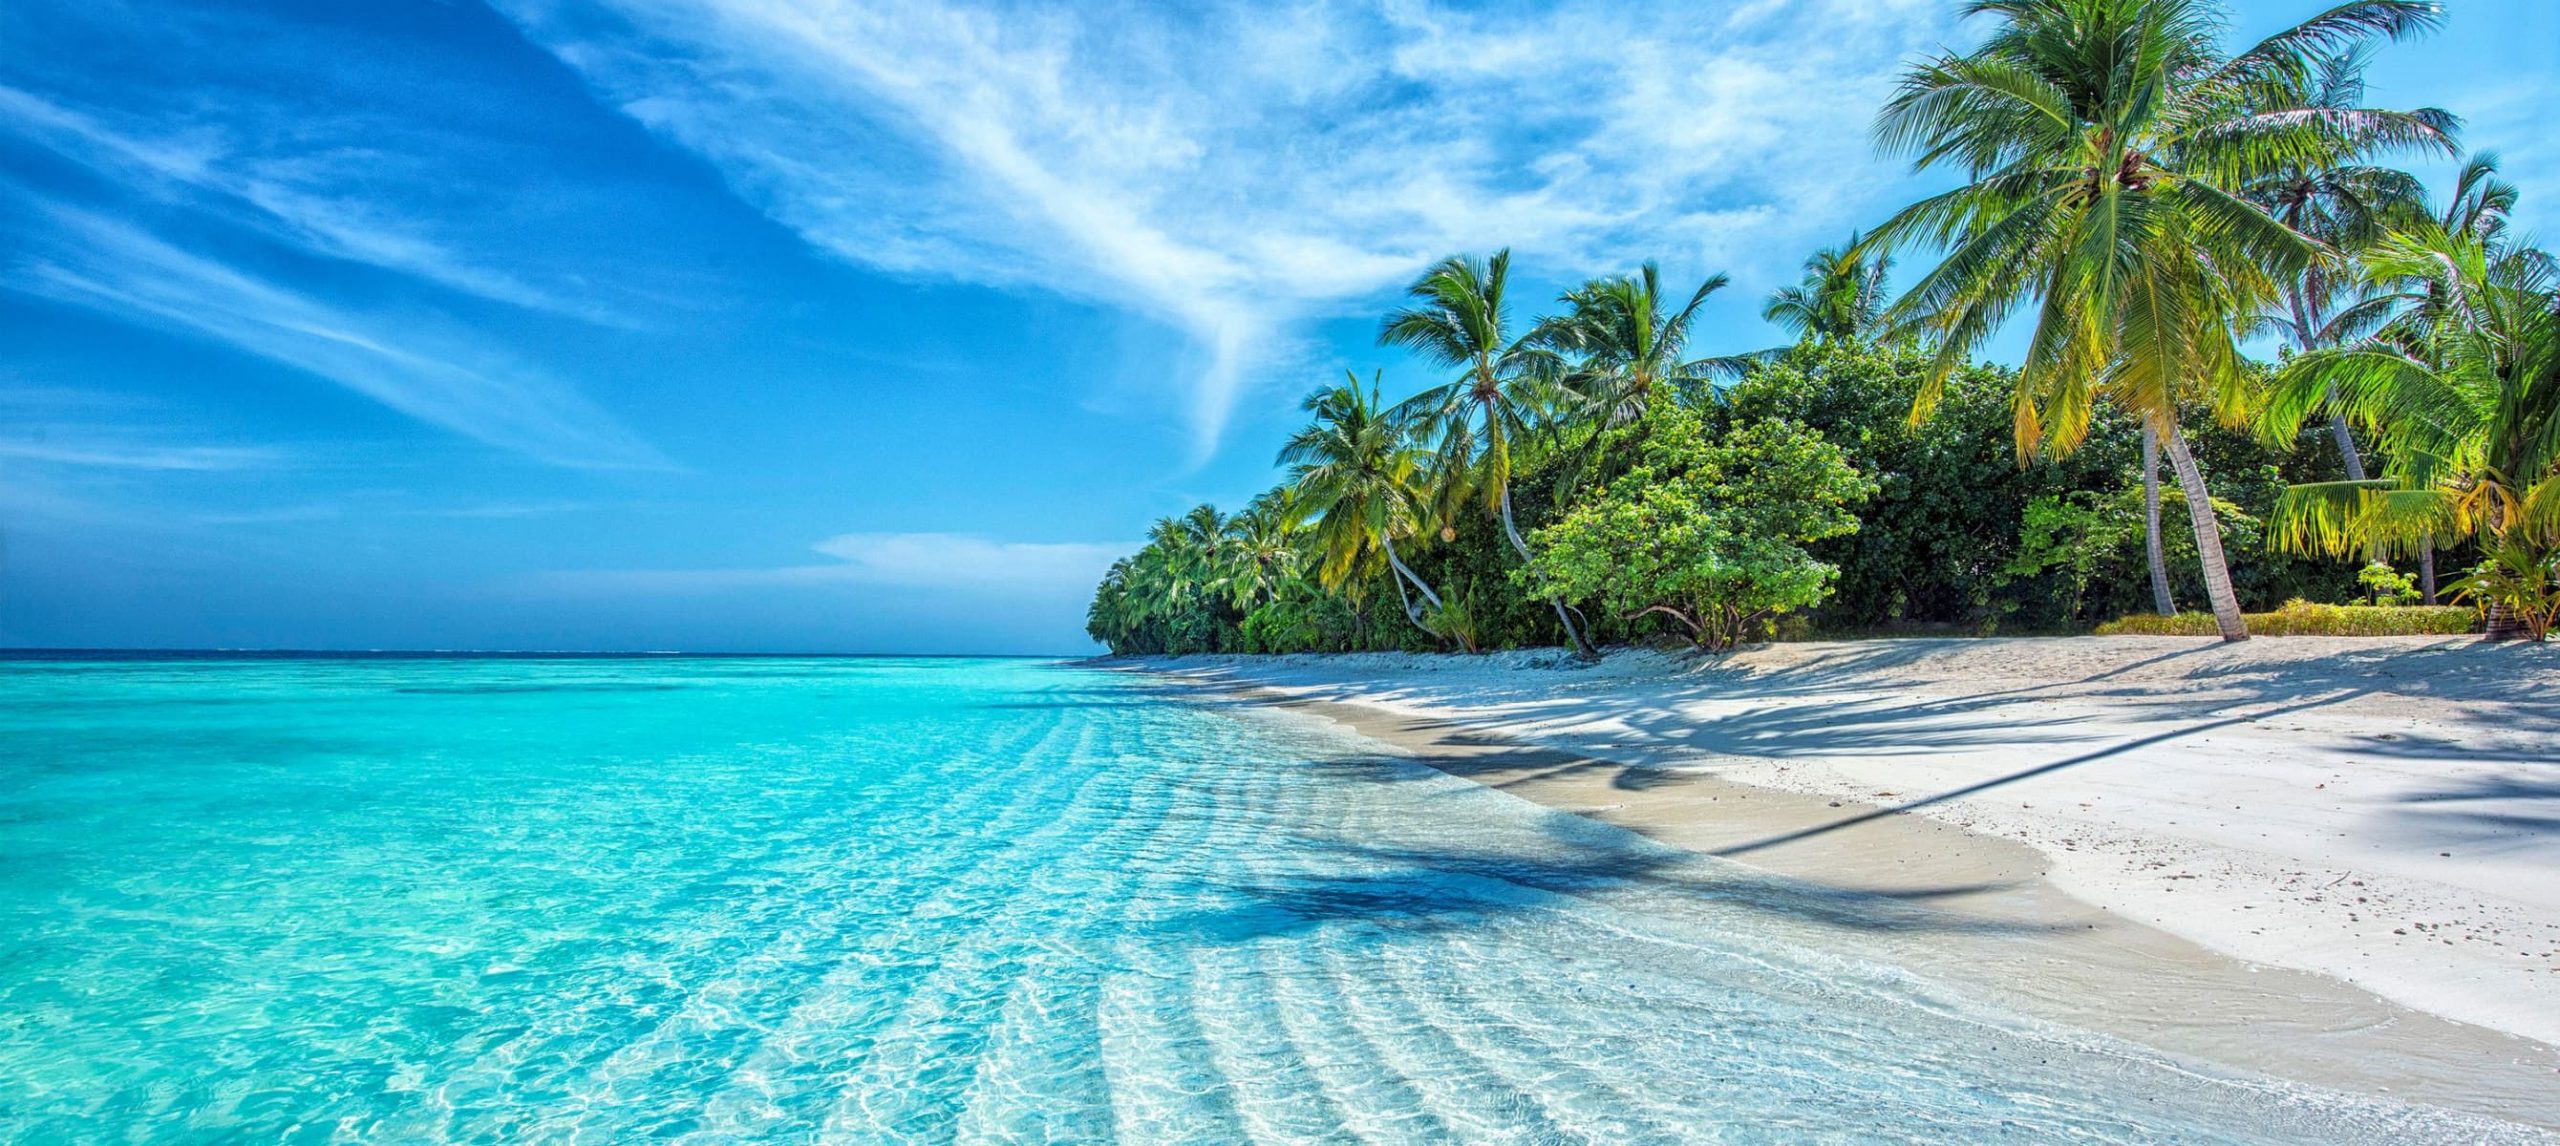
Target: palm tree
(1627, 346)
(2462, 391)
(1356, 468)
(1841, 298)
(1188, 552)
(1262, 541)
(2348, 204)
(1503, 390)
(2104, 142)
(2420, 305)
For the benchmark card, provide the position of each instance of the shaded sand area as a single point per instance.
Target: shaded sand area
(2326, 859)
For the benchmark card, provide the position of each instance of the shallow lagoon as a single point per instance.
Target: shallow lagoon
(864, 900)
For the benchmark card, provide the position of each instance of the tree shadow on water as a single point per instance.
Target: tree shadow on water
(1434, 889)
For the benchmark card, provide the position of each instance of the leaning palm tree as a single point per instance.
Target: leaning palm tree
(1503, 390)
(1841, 298)
(1356, 469)
(2104, 143)
(2421, 305)
(2463, 393)
(1628, 345)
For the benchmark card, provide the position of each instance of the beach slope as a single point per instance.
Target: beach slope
(2382, 812)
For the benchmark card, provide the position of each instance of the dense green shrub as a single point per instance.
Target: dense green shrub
(2305, 619)
(2521, 580)
(1708, 530)
(1944, 542)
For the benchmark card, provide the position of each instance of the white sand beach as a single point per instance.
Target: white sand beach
(2378, 812)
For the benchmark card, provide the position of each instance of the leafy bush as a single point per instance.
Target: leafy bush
(1709, 533)
(2389, 586)
(2298, 618)
(2520, 580)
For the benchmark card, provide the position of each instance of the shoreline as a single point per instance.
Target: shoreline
(2043, 930)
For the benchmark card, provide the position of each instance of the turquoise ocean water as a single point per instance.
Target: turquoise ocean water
(881, 900)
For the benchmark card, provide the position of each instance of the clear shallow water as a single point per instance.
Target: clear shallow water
(773, 900)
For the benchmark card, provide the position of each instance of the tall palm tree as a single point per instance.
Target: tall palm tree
(1505, 386)
(1627, 345)
(2463, 392)
(2104, 143)
(1841, 298)
(2421, 305)
(1356, 469)
(2347, 203)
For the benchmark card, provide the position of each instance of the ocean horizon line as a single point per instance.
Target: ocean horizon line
(70, 654)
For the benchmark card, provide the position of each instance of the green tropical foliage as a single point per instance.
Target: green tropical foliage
(1841, 299)
(2520, 580)
(1706, 530)
(2107, 146)
(2148, 204)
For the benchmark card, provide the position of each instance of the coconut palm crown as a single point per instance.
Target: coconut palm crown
(1841, 298)
(1628, 344)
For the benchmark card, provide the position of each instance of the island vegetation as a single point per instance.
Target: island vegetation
(2352, 380)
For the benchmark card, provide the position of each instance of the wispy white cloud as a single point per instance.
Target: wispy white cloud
(945, 561)
(78, 428)
(301, 512)
(140, 455)
(410, 365)
(301, 196)
(1235, 170)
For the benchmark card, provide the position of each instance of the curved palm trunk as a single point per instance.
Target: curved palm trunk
(1403, 575)
(2208, 529)
(1512, 531)
(2346, 439)
(2161, 601)
(2304, 341)
(2346, 444)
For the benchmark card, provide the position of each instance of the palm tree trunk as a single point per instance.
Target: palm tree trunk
(2427, 569)
(2304, 340)
(2338, 429)
(1403, 575)
(1411, 614)
(2161, 602)
(2208, 530)
(2346, 444)
(1512, 531)
(1409, 574)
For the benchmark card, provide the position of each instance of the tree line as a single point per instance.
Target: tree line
(2146, 203)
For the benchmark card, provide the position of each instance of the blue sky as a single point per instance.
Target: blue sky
(819, 325)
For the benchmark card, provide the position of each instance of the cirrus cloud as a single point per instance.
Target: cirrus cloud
(950, 561)
(1233, 171)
